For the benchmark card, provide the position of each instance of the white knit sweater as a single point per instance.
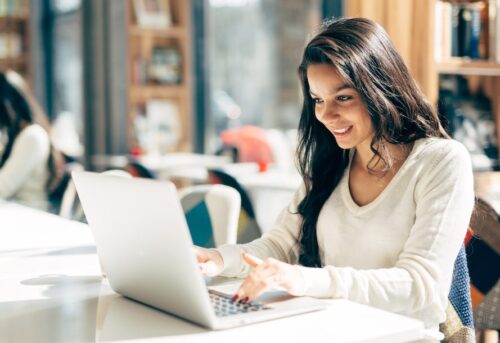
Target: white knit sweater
(23, 177)
(397, 252)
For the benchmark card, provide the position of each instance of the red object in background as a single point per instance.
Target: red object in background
(252, 145)
(136, 151)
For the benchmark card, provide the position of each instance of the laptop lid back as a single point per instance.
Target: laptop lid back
(143, 243)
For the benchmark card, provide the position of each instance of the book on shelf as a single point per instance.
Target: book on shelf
(139, 71)
(153, 14)
(465, 29)
(157, 126)
(165, 65)
(494, 28)
(10, 45)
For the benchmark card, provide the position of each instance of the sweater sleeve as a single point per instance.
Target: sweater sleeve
(30, 148)
(280, 242)
(422, 274)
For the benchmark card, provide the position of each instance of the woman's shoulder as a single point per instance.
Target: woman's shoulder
(436, 149)
(436, 156)
(33, 139)
(34, 132)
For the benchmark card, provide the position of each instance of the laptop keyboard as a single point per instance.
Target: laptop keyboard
(224, 307)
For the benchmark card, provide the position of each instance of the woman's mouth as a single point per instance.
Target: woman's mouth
(342, 132)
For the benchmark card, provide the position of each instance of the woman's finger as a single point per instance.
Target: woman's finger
(199, 255)
(252, 260)
(255, 284)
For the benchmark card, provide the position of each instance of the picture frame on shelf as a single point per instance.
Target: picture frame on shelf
(153, 14)
(165, 65)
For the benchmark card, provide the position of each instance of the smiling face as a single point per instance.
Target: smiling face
(339, 107)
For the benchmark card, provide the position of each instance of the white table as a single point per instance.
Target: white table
(173, 165)
(51, 291)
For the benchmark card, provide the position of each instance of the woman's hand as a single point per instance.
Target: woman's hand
(268, 274)
(210, 261)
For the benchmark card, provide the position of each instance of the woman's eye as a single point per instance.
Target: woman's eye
(317, 100)
(344, 97)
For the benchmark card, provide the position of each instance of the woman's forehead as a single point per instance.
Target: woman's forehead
(325, 77)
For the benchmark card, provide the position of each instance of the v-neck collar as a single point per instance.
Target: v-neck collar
(346, 192)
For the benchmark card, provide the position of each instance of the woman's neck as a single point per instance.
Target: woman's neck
(366, 160)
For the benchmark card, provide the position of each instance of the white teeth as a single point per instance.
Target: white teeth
(342, 130)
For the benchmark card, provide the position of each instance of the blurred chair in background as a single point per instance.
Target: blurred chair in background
(459, 324)
(483, 258)
(70, 205)
(137, 169)
(248, 228)
(63, 202)
(212, 214)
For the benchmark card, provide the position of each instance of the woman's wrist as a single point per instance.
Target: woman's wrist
(219, 259)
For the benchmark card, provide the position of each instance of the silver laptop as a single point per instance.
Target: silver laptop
(145, 249)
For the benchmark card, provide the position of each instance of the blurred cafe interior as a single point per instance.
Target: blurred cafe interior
(205, 92)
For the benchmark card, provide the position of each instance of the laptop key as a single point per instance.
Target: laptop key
(224, 306)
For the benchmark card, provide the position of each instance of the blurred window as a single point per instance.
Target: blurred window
(66, 81)
(253, 49)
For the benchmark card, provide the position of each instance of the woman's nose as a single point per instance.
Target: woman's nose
(329, 111)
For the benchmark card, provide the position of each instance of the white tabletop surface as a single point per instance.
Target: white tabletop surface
(51, 290)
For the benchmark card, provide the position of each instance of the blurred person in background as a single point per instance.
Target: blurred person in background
(30, 168)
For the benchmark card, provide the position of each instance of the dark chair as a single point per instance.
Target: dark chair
(228, 150)
(248, 228)
(137, 169)
(56, 196)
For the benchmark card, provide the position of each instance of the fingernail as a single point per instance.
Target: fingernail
(234, 298)
(246, 300)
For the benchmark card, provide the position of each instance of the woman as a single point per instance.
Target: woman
(29, 168)
(387, 196)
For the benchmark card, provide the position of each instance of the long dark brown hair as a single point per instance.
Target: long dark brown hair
(367, 60)
(17, 105)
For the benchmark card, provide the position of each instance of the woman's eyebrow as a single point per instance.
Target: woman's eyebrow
(338, 89)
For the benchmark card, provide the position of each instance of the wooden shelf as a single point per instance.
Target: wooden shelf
(13, 18)
(461, 66)
(171, 32)
(142, 42)
(144, 92)
(14, 60)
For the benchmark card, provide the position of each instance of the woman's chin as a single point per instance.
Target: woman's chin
(344, 144)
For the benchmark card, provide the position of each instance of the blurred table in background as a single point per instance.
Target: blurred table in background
(188, 166)
(487, 187)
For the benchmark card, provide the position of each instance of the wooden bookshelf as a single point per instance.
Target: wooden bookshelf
(15, 40)
(143, 88)
(462, 66)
